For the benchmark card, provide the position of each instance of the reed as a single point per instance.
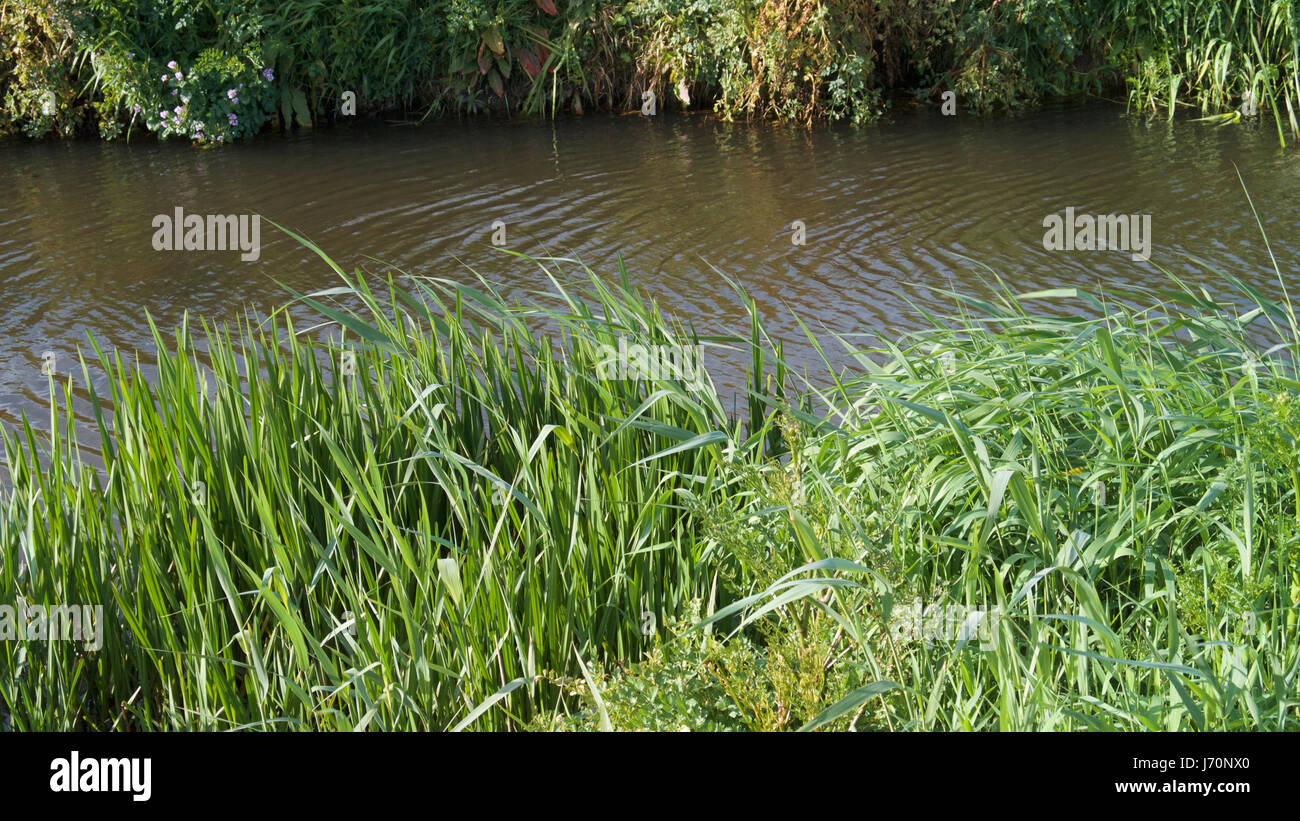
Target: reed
(1118, 485)
(276, 543)
(453, 517)
(1228, 60)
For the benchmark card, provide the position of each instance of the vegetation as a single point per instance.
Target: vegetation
(71, 65)
(480, 507)
(451, 516)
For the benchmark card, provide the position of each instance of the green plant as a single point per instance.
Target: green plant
(218, 99)
(674, 688)
(38, 94)
(281, 539)
(799, 60)
(1229, 60)
(1058, 471)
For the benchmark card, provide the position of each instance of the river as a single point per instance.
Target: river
(889, 212)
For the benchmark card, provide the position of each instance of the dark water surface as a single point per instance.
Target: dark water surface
(889, 209)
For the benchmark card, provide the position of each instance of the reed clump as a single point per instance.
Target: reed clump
(453, 517)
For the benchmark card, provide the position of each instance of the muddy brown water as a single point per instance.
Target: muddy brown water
(893, 214)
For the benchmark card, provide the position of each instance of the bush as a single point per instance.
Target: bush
(38, 55)
(800, 60)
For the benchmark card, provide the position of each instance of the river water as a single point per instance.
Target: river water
(889, 211)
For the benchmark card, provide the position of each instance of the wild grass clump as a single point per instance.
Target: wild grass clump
(378, 535)
(1228, 60)
(456, 518)
(1120, 485)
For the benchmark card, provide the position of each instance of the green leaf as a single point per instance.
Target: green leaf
(850, 702)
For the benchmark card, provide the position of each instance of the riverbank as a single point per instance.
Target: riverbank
(1019, 519)
(215, 73)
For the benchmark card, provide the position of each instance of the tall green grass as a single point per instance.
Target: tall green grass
(276, 543)
(450, 519)
(1120, 483)
(1224, 58)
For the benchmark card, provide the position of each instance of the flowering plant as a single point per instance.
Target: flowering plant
(216, 100)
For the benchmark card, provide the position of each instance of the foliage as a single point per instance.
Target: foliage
(380, 532)
(800, 60)
(448, 519)
(674, 688)
(184, 69)
(1232, 60)
(37, 59)
(1119, 483)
